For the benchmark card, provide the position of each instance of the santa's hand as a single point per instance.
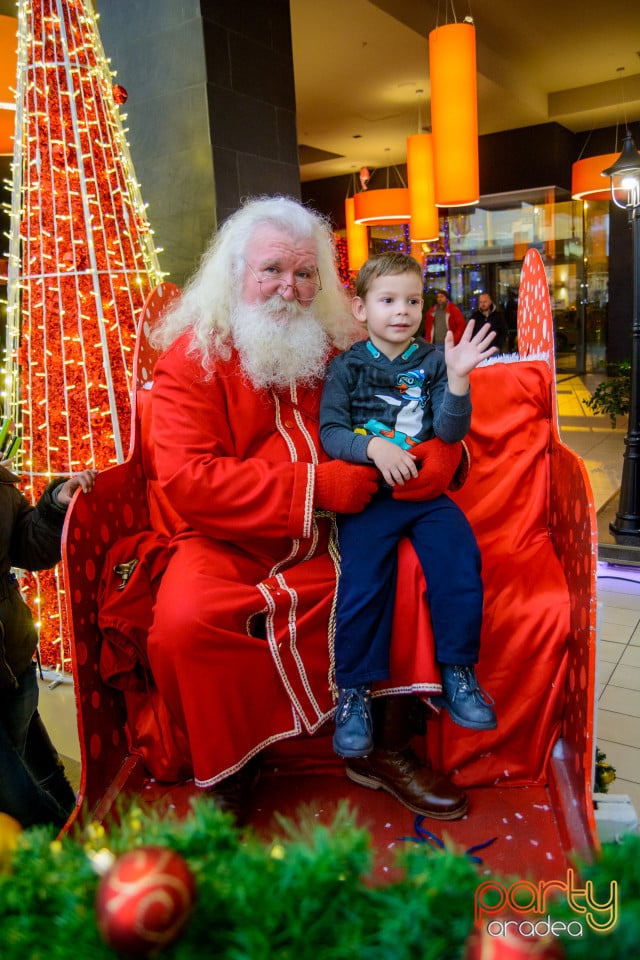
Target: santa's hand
(439, 464)
(344, 487)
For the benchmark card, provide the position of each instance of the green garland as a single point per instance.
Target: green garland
(618, 862)
(303, 896)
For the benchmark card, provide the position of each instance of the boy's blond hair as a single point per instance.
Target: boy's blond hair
(385, 265)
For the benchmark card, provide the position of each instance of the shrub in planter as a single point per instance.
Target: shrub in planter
(613, 395)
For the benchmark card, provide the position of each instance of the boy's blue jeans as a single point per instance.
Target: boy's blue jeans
(450, 558)
(23, 793)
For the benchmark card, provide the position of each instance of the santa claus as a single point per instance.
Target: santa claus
(241, 642)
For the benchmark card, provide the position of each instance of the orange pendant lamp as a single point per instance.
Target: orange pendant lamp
(8, 60)
(382, 207)
(424, 226)
(357, 237)
(586, 177)
(454, 114)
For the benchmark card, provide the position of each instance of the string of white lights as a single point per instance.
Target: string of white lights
(81, 262)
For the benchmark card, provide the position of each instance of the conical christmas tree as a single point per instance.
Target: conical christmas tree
(81, 263)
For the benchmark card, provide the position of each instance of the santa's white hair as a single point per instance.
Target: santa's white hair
(212, 296)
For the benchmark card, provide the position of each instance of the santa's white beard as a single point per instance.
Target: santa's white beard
(279, 342)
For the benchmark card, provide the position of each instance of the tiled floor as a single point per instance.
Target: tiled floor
(618, 689)
(618, 714)
(592, 437)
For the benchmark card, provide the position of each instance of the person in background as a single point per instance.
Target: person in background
(442, 317)
(33, 786)
(243, 620)
(511, 316)
(395, 401)
(487, 312)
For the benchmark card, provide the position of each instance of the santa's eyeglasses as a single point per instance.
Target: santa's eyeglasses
(306, 284)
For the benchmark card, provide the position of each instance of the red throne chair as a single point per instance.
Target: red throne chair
(529, 501)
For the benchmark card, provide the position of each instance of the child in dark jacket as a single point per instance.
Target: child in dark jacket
(33, 785)
(396, 401)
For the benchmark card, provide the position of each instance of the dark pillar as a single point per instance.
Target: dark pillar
(626, 526)
(210, 111)
(620, 305)
(251, 98)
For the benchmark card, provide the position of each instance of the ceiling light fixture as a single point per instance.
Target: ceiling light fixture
(424, 226)
(357, 238)
(8, 61)
(454, 114)
(586, 177)
(382, 207)
(587, 173)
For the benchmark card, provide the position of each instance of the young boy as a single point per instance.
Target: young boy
(384, 401)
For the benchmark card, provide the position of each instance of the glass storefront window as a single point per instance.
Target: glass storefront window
(486, 246)
(481, 248)
(594, 292)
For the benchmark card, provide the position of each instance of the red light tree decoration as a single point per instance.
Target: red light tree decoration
(81, 263)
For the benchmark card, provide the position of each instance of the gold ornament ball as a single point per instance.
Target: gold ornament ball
(10, 830)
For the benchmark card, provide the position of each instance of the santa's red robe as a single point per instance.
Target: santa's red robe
(242, 636)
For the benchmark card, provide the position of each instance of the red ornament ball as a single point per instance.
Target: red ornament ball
(120, 94)
(144, 900)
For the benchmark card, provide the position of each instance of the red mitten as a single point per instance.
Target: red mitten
(440, 463)
(344, 487)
